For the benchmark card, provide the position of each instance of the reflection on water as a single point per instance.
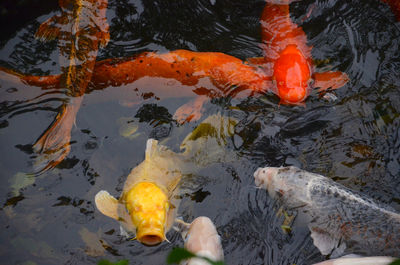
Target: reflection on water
(354, 139)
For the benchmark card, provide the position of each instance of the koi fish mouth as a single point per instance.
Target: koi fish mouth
(264, 178)
(150, 236)
(148, 206)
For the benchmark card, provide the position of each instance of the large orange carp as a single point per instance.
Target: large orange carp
(338, 217)
(287, 58)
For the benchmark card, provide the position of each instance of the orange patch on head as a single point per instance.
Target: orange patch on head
(292, 74)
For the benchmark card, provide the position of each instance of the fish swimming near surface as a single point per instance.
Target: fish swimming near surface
(286, 69)
(201, 75)
(338, 217)
(287, 58)
(81, 28)
(377, 260)
(201, 238)
(149, 201)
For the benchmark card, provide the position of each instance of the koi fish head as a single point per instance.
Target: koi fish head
(148, 206)
(278, 180)
(292, 75)
(202, 239)
(290, 183)
(265, 178)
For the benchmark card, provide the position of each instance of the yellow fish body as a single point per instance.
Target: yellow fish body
(148, 204)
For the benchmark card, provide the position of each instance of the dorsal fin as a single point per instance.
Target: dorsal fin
(151, 148)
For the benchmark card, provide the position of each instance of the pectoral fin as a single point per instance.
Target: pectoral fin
(50, 29)
(107, 204)
(191, 111)
(326, 243)
(329, 80)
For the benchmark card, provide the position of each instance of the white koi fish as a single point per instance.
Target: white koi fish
(337, 216)
(201, 238)
(358, 261)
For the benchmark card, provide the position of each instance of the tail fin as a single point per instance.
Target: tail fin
(54, 144)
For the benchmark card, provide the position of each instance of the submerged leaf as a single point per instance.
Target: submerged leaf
(19, 181)
(179, 254)
(107, 262)
(128, 128)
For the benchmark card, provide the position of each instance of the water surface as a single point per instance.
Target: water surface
(351, 136)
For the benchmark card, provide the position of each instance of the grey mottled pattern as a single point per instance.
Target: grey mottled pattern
(335, 211)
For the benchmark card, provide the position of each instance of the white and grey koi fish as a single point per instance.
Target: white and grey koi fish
(359, 261)
(337, 216)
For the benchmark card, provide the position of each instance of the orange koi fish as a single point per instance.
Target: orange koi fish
(226, 73)
(287, 58)
(395, 6)
(81, 28)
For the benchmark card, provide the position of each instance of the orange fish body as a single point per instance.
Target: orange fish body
(184, 66)
(287, 58)
(395, 6)
(228, 76)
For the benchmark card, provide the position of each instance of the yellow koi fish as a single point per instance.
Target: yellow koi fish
(148, 204)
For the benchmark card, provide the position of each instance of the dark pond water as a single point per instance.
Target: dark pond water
(353, 139)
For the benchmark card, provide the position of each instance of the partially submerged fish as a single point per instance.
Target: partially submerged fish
(287, 59)
(338, 217)
(378, 260)
(202, 239)
(149, 201)
(193, 71)
(81, 28)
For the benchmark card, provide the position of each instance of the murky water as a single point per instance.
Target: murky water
(353, 138)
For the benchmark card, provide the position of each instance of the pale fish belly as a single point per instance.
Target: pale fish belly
(339, 218)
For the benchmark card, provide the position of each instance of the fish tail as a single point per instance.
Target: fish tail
(54, 144)
(45, 82)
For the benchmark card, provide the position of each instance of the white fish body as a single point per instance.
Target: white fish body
(338, 217)
(377, 260)
(203, 240)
